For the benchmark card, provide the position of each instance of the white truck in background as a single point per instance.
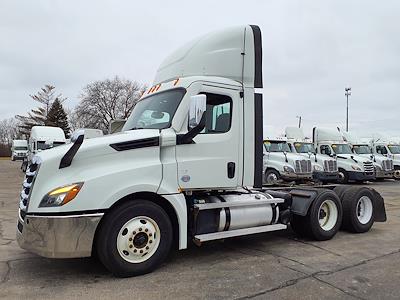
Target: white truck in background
(383, 165)
(281, 164)
(351, 167)
(388, 148)
(19, 150)
(192, 173)
(42, 138)
(324, 167)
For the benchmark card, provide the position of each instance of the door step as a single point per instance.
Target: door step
(237, 203)
(198, 239)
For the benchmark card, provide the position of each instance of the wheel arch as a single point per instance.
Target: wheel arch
(164, 203)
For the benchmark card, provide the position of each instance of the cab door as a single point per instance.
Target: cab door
(212, 160)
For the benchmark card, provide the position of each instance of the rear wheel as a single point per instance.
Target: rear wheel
(396, 174)
(134, 238)
(358, 210)
(323, 219)
(271, 177)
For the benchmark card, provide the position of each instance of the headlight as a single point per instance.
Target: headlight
(355, 167)
(288, 169)
(61, 195)
(318, 168)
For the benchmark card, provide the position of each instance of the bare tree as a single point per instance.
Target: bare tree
(46, 97)
(105, 100)
(9, 131)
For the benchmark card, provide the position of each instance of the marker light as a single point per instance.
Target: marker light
(61, 195)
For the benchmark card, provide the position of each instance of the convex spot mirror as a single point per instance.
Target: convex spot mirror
(196, 109)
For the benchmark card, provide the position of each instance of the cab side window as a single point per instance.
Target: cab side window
(381, 150)
(325, 150)
(218, 114)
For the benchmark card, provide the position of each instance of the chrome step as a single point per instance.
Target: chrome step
(237, 203)
(198, 239)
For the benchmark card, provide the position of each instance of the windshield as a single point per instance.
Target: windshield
(341, 149)
(304, 147)
(276, 146)
(20, 148)
(361, 149)
(395, 149)
(155, 112)
(42, 145)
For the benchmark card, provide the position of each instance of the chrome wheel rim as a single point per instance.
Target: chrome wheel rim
(364, 209)
(271, 178)
(327, 215)
(138, 239)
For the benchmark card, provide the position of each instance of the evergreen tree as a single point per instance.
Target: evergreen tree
(46, 97)
(57, 117)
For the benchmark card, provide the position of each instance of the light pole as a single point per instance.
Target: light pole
(299, 117)
(347, 93)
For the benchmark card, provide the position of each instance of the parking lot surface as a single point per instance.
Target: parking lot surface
(272, 265)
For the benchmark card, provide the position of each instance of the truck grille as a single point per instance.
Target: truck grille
(303, 166)
(330, 166)
(387, 165)
(369, 167)
(27, 184)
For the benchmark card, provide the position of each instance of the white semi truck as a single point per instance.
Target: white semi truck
(192, 173)
(324, 167)
(281, 164)
(390, 149)
(351, 167)
(19, 149)
(42, 138)
(383, 165)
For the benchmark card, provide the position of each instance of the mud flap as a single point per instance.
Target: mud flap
(301, 201)
(379, 207)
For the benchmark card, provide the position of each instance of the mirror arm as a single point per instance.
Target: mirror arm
(188, 137)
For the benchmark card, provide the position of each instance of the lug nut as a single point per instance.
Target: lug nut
(146, 230)
(134, 232)
(130, 239)
(150, 234)
(135, 251)
(150, 241)
(140, 229)
(130, 246)
(147, 248)
(141, 251)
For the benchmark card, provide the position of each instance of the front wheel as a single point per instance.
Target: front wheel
(343, 176)
(271, 177)
(396, 174)
(134, 239)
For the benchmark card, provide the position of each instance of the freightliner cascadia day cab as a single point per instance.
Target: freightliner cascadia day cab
(42, 138)
(192, 173)
(19, 149)
(281, 164)
(360, 146)
(351, 167)
(324, 167)
(390, 149)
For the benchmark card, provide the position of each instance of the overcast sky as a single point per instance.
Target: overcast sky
(312, 50)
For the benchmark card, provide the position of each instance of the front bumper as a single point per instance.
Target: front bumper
(58, 236)
(384, 174)
(360, 176)
(326, 176)
(296, 176)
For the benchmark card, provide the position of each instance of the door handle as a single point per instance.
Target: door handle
(231, 169)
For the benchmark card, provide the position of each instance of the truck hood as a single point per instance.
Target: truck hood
(292, 157)
(358, 158)
(99, 146)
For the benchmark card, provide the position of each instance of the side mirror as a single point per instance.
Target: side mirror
(197, 120)
(196, 110)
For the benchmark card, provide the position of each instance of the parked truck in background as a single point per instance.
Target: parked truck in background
(192, 173)
(324, 167)
(19, 150)
(43, 138)
(383, 165)
(388, 148)
(281, 164)
(351, 167)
